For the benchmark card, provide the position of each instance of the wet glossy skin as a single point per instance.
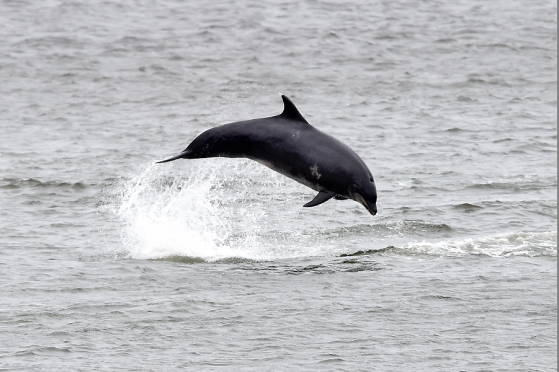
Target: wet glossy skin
(288, 144)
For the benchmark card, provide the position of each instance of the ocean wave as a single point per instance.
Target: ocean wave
(21, 183)
(529, 244)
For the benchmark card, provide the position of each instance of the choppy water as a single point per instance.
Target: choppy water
(110, 262)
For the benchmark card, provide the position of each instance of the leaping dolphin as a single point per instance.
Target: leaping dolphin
(288, 144)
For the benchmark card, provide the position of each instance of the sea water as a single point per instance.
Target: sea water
(111, 262)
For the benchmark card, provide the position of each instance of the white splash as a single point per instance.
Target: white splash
(176, 216)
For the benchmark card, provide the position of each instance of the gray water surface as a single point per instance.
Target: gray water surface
(111, 262)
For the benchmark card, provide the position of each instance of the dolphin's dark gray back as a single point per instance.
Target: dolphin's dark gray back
(288, 144)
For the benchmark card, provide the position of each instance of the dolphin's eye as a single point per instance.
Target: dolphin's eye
(371, 179)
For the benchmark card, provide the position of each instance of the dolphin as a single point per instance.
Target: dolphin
(288, 144)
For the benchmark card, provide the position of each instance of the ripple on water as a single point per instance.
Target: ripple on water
(18, 183)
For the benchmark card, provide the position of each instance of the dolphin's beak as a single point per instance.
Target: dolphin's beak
(371, 207)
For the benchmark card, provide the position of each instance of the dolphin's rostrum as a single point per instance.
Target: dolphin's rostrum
(288, 144)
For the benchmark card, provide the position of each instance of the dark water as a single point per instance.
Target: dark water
(110, 262)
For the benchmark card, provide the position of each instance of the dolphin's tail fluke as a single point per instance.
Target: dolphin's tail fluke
(184, 154)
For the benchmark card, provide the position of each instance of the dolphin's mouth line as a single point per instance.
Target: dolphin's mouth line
(364, 203)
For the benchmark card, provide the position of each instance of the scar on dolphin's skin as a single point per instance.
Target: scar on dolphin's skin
(314, 172)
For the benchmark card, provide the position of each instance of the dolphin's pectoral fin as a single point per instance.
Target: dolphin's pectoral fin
(320, 198)
(339, 197)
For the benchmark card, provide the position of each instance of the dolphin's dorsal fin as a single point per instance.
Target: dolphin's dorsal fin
(290, 111)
